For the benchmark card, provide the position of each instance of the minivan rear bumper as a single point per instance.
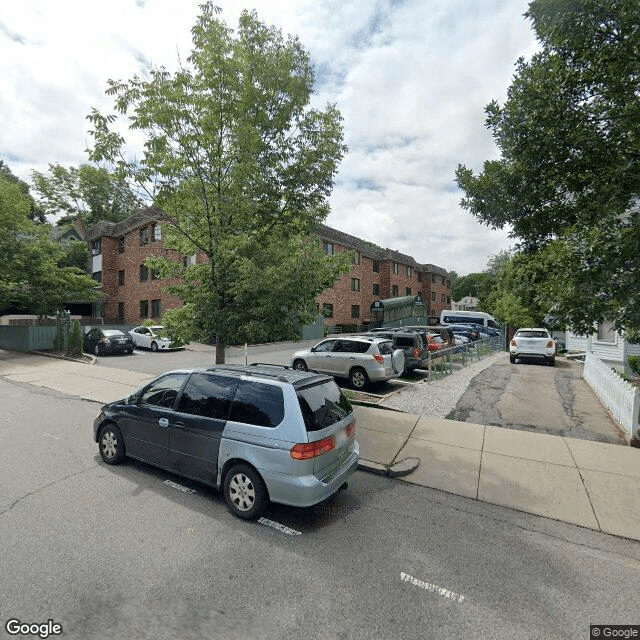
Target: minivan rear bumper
(305, 491)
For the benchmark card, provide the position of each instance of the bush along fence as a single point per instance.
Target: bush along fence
(447, 361)
(618, 396)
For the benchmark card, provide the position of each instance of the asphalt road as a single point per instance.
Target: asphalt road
(134, 552)
(533, 397)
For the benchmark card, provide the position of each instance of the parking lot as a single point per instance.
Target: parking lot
(200, 355)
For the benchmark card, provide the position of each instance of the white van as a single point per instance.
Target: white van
(468, 317)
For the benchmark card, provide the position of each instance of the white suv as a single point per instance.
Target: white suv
(533, 343)
(360, 359)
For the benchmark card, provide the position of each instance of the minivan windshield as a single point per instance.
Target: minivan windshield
(323, 405)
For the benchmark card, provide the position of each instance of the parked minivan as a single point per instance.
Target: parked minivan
(260, 433)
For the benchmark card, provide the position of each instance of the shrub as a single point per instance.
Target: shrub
(58, 341)
(75, 346)
(634, 364)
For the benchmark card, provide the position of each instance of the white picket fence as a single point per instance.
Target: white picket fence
(621, 398)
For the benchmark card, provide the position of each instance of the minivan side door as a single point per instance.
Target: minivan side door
(197, 425)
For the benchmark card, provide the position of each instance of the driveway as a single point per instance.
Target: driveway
(531, 397)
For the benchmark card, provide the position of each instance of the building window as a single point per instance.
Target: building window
(327, 247)
(443, 280)
(419, 277)
(144, 236)
(155, 232)
(154, 274)
(448, 284)
(121, 244)
(121, 277)
(409, 271)
(97, 276)
(96, 247)
(408, 291)
(376, 266)
(144, 273)
(396, 268)
(144, 308)
(433, 296)
(327, 310)
(394, 291)
(121, 310)
(355, 258)
(376, 289)
(433, 277)
(355, 310)
(355, 284)
(156, 308)
(444, 298)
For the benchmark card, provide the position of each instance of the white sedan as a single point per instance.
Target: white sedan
(147, 337)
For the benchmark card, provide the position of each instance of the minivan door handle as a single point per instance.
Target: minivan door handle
(180, 425)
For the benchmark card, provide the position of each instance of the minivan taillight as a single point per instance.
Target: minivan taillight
(351, 429)
(550, 344)
(379, 358)
(514, 343)
(308, 450)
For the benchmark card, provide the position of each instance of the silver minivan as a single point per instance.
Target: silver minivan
(260, 433)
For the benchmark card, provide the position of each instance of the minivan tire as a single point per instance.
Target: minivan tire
(245, 492)
(111, 444)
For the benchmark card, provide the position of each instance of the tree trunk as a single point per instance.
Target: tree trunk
(219, 350)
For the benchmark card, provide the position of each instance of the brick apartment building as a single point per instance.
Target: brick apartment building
(133, 293)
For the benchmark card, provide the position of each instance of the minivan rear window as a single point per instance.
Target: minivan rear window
(323, 405)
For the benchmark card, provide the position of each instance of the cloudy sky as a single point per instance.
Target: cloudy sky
(410, 77)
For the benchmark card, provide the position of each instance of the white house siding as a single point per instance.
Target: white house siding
(575, 342)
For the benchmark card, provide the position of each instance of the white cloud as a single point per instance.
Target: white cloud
(411, 79)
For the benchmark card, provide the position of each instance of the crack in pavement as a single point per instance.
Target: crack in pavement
(46, 486)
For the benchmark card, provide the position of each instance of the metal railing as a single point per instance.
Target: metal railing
(446, 361)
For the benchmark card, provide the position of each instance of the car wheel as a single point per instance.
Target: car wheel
(111, 444)
(358, 378)
(512, 359)
(245, 492)
(98, 350)
(397, 360)
(154, 346)
(130, 351)
(300, 365)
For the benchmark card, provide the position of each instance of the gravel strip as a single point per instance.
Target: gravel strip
(439, 398)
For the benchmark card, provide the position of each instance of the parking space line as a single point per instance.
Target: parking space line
(279, 527)
(432, 588)
(179, 487)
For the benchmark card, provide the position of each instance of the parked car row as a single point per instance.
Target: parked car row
(103, 341)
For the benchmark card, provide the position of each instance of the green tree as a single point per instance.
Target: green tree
(30, 276)
(87, 192)
(35, 212)
(242, 166)
(569, 170)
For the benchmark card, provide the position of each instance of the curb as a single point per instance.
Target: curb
(61, 357)
(397, 470)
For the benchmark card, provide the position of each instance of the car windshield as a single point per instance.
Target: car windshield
(156, 329)
(323, 405)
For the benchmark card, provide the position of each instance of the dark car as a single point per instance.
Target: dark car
(416, 351)
(259, 433)
(472, 334)
(101, 341)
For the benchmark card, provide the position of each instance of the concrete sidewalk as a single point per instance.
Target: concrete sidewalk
(587, 483)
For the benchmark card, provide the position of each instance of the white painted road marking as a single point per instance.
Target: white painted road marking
(433, 588)
(179, 487)
(279, 527)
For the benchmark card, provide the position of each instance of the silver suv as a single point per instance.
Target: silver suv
(360, 359)
(259, 432)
